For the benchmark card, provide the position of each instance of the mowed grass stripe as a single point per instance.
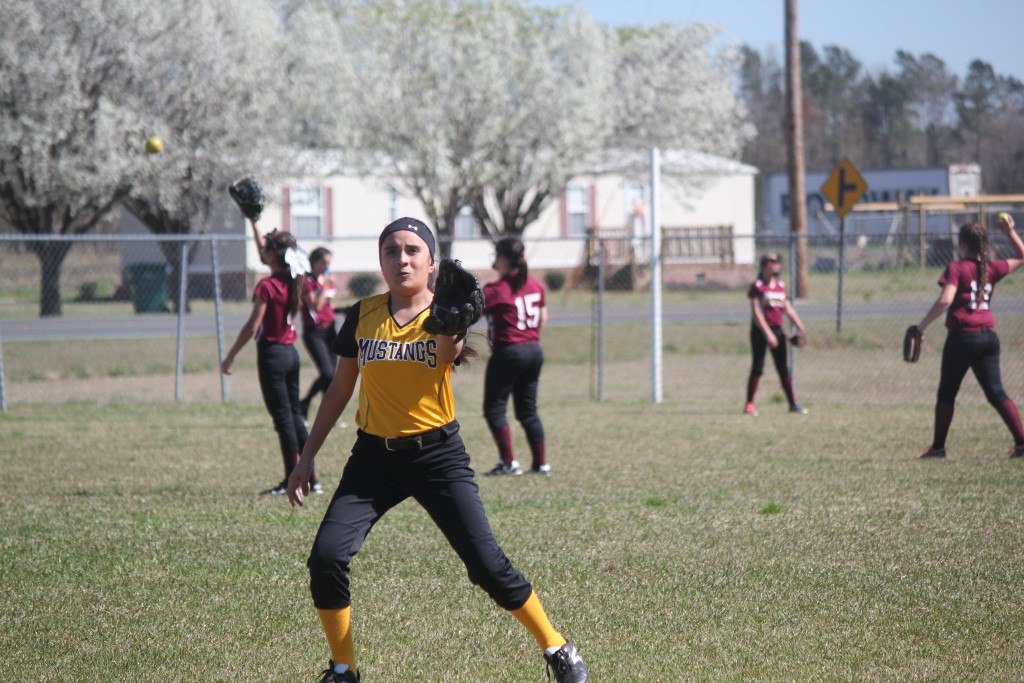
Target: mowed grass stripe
(134, 545)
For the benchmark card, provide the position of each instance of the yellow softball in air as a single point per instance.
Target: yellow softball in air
(154, 145)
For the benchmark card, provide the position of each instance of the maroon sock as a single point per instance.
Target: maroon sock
(787, 386)
(503, 438)
(943, 418)
(752, 383)
(539, 457)
(1008, 411)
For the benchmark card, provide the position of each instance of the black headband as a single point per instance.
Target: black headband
(412, 225)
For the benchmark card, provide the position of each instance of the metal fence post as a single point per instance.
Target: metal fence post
(792, 278)
(842, 269)
(601, 274)
(656, 304)
(3, 392)
(182, 287)
(215, 262)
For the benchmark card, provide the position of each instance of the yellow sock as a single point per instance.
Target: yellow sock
(338, 629)
(535, 619)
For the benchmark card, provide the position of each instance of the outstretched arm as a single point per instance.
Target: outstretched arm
(334, 401)
(758, 314)
(939, 307)
(259, 309)
(791, 313)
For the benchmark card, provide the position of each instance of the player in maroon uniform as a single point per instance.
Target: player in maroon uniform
(516, 312)
(769, 306)
(275, 304)
(971, 340)
(318, 318)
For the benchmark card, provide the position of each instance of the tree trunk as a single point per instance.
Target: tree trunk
(172, 254)
(51, 257)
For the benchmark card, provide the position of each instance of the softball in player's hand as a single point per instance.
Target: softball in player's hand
(1004, 221)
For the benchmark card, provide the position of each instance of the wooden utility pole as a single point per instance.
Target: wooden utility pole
(795, 148)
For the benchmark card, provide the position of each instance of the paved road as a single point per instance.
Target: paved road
(157, 325)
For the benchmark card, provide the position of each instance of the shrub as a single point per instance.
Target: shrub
(554, 279)
(363, 285)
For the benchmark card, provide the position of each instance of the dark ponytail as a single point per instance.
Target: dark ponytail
(278, 244)
(976, 239)
(512, 249)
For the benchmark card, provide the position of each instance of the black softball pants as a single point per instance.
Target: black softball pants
(759, 344)
(977, 351)
(278, 366)
(439, 477)
(514, 369)
(318, 342)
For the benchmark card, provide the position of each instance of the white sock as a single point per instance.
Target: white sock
(340, 668)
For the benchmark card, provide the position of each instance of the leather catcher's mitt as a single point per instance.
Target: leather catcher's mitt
(458, 300)
(248, 194)
(798, 340)
(912, 344)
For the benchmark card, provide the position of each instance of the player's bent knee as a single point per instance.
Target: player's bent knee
(495, 422)
(996, 397)
(328, 582)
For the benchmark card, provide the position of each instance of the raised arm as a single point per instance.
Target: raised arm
(448, 349)
(260, 242)
(1005, 224)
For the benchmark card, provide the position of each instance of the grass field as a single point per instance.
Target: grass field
(680, 541)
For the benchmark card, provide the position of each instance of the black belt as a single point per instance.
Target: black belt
(404, 443)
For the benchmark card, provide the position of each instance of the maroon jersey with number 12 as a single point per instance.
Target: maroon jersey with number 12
(970, 309)
(513, 317)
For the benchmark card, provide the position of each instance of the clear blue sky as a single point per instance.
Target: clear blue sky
(957, 31)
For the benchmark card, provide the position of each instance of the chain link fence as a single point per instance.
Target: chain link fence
(129, 322)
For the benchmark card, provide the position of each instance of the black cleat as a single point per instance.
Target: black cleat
(328, 676)
(278, 490)
(933, 453)
(503, 469)
(567, 665)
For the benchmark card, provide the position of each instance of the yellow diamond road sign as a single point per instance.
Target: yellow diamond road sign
(844, 187)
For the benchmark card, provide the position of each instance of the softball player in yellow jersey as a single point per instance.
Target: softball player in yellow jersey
(408, 445)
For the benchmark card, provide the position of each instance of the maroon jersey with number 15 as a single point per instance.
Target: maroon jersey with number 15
(513, 317)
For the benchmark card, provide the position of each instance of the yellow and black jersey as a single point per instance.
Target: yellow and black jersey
(404, 388)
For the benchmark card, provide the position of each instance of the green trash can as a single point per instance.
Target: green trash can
(148, 287)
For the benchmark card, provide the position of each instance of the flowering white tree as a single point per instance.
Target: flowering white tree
(69, 133)
(492, 104)
(82, 86)
(674, 88)
(497, 104)
(214, 76)
(424, 86)
(553, 70)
